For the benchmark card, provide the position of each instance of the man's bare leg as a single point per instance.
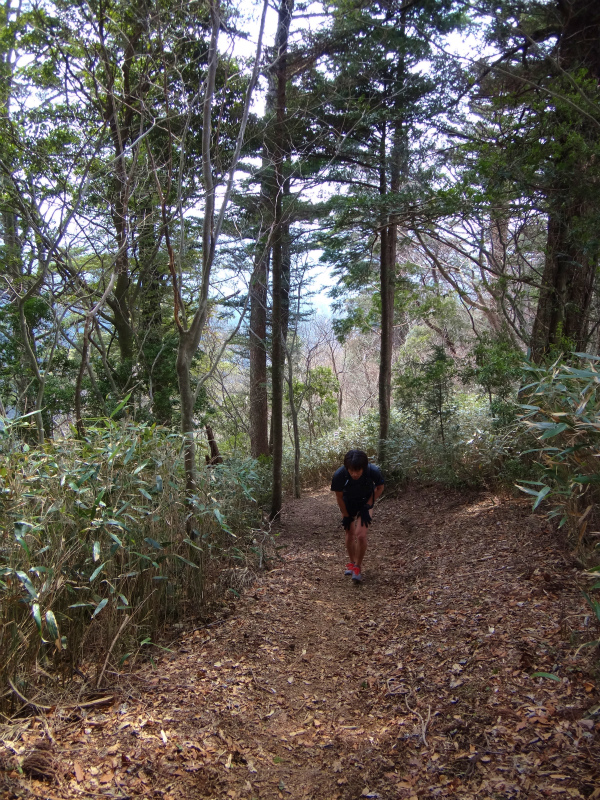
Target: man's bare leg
(350, 543)
(360, 541)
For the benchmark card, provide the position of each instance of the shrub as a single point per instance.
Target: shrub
(475, 452)
(94, 544)
(563, 413)
(326, 453)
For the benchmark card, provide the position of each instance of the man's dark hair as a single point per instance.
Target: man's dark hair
(356, 459)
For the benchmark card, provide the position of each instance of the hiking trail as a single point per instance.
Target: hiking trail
(417, 683)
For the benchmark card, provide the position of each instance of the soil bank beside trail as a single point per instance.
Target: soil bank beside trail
(416, 684)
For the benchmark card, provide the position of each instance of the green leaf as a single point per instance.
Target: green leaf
(23, 544)
(185, 561)
(121, 405)
(586, 479)
(115, 538)
(543, 492)
(129, 454)
(554, 430)
(594, 605)
(22, 527)
(546, 675)
(153, 543)
(191, 544)
(96, 551)
(581, 373)
(527, 490)
(52, 626)
(144, 557)
(27, 584)
(144, 493)
(36, 614)
(97, 572)
(99, 607)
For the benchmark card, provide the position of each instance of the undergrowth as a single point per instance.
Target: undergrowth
(94, 556)
(563, 413)
(476, 450)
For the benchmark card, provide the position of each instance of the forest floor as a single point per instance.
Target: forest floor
(416, 684)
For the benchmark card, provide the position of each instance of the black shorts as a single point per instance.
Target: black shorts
(353, 507)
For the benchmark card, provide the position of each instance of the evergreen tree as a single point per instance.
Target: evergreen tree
(379, 99)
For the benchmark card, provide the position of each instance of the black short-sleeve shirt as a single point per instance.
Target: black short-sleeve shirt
(356, 492)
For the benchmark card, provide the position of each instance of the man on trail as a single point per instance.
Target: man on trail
(357, 485)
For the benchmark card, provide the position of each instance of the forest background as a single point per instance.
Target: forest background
(171, 175)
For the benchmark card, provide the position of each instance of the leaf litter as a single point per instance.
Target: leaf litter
(450, 672)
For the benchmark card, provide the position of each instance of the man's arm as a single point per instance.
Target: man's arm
(339, 496)
(377, 492)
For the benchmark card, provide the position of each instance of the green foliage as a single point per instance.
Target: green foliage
(562, 410)
(327, 452)
(375, 103)
(424, 390)
(495, 365)
(94, 529)
(591, 598)
(475, 452)
(315, 400)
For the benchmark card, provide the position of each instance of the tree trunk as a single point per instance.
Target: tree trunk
(154, 346)
(185, 354)
(85, 349)
(389, 237)
(572, 252)
(280, 291)
(277, 368)
(119, 303)
(215, 455)
(566, 293)
(189, 338)
(295, 429)
(40, 377)
(259, 406)
(259, 400)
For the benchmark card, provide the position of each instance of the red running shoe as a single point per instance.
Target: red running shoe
(349, 568)
(356, 576)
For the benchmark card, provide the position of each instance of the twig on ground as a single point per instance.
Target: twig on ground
(100, 701)
(391, 692)
(25, 700)
(260, 686)
(424, 723)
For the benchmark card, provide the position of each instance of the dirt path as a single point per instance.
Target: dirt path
(416, 684)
